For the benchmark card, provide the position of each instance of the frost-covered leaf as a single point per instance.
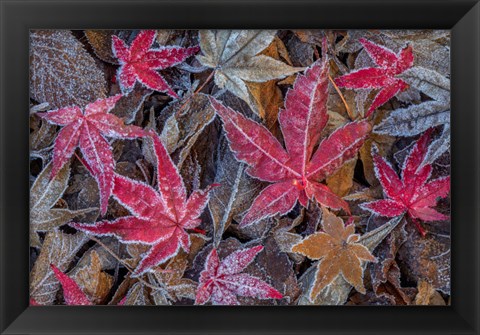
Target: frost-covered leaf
(222, 281)
(296, 172)
(140, 62)
(182, 130)
(233, 54)
(428, 258)
(429, 82)
(339, 253)
(72, 293)
(136, 296)
(88, 130)
(174, 286)
(337, 292)
(44, 194)
(411, 194)
(62, 73)
(382, 77)
(59, 249)
(414, 119)
(159, 218)
(438, 146)
(235, 193)
(94, 282)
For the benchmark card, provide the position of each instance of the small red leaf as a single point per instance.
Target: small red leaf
(88, 131)
(140, 62)
(382, 77)
(413, 193)
(222, 282)
(72, 293)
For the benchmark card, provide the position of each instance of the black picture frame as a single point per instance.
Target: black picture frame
(18, 16)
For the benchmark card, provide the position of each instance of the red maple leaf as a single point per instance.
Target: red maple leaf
(87, 130)
(382, 77)
(412, 193)
(295, 173)
(140, 62)
(159, 219)
(222, 282)
(72, 293)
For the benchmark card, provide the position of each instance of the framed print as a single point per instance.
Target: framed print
(248, 168)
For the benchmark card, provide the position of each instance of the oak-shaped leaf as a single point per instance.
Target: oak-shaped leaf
(296, 172)
(339, 253)
(382, 77)
(62, 72)
(413, 193)
(72, 293)
(222, 281)
(233, 56)
(88, 130)
(159, 218)
(140, 62)
(44, 194)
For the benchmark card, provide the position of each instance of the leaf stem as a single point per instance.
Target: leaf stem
(349, 111)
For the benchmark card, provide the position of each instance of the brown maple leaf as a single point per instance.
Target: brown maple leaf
(338, 252)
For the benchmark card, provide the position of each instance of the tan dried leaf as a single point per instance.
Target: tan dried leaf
(93, 281)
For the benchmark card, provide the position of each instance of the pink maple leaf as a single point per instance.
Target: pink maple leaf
(222, 282)
(160, 218)
(72, 293)
(412, 193)
(88, 131)
(296, 172)
(141, 62)
(381, 77)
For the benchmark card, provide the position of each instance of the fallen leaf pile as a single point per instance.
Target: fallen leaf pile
(239, 167)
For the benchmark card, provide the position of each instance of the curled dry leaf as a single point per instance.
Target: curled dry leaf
(62, 73)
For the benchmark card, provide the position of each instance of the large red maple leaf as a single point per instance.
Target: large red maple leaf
(381, 77)
(412, 193)
(222, 282)
(87, 130)
(295, 173)
(160, 218)
(141, 62)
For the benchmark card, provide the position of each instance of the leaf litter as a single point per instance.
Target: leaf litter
(251, 167)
